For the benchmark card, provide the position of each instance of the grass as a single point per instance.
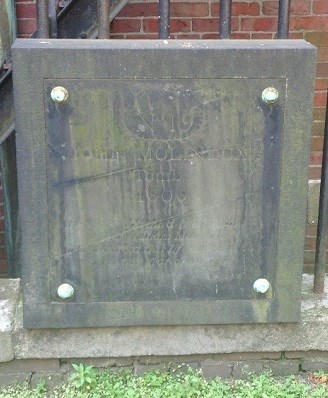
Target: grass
(85, 382)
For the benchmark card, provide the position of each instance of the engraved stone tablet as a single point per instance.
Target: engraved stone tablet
(162, 194)
(162, 189)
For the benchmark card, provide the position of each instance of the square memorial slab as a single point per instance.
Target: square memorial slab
(162, 182)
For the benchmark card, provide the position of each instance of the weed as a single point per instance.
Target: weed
(86, 383)
(41, 387)
(84, 377)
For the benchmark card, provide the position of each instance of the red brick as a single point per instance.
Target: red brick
(319, 39)
(205, 25)
(3, 267)
(246, 9)
(309, 23)
(316, 143)
(189, 36)
(139, 36)
(322, 69)
(297, 7)
(26, 26)
(318, 128)
(320, 6)
(185, 10)
(241, 8)
(321, 84)
(315, 172)
(316, 158)
(322, 54)
(310, 243)
(262, 35)
(258, 24)
(311, 230)
(151, 25)
(210, 36)
(176, 25)
(320, 98)
(319, 114)
(211, 24)
(26, 10)
(125, 25)
(134, 10)
(296, 35)
(117, 36)
(180, 25)
(240, 35)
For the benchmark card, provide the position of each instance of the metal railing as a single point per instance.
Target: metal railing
(47, 21)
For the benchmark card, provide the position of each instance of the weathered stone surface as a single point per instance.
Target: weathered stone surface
(136, 341)
(29, 365)
(315, 364)
(100, 362)
(153, 360)
(310, 334)
(140, 369)
(6, 315)
(51, 379)
(171, 344)
(6, 351)
(211, 368)
(10, 379)
(9, 289)
(143, 173)
(295, 354)
(246, 356)
(278, 368)
(9, 292)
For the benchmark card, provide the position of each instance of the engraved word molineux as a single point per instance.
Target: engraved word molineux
(159, 154)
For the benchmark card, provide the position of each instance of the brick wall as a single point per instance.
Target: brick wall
(251, 20)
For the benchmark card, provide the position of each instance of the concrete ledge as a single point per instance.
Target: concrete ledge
(310, 334)
(9, 292)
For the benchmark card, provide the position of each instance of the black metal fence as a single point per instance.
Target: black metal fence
(46, 17)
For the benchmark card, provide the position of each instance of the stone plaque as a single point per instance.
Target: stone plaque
(160, 194)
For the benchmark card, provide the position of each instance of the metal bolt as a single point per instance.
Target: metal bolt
(270, 95)
(59, 94)
(261, 285)
(65, 291)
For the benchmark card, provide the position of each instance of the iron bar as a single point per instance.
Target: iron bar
(103, 19)
(225, 19)
(42, 19)
(53, 19)
(6, 76)
(93, 32)
(65, 9)
(164, 19)
(322, 229)
(7, 133)
(283, 19)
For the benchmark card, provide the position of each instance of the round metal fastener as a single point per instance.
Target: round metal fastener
(261, 285)
(65, 291)
(59, 94)
(270, 95)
